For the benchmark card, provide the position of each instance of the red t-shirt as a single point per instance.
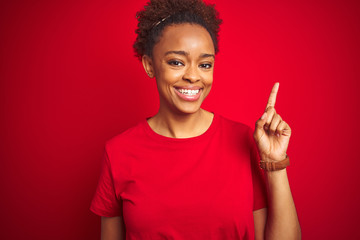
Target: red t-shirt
(204, 187)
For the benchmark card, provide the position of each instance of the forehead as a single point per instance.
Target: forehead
(191, 38)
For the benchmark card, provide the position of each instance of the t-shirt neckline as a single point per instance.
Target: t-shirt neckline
(159, 137)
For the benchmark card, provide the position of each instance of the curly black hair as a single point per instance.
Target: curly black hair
(157, 14)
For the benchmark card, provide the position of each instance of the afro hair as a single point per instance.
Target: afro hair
(157, 14)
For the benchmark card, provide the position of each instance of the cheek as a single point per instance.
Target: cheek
(171, 77)
(208, 78)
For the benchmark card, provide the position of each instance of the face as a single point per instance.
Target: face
(182, 63)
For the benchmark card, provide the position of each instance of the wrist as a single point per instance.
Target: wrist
(274, 165)
(270, 174)
(267, 158)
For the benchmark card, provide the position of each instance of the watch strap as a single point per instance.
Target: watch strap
(275, 165)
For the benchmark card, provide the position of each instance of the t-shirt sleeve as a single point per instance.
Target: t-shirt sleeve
(258, 177)
(105, 203)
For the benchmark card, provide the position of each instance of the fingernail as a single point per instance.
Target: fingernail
(263, 116)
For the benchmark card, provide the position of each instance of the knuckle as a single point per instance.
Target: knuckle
(257, 123)
(272, 128)
(270, 109)
(287, 125)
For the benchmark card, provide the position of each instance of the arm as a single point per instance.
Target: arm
(260, 216)
(272, 136)
(112, 228)
(280, 221)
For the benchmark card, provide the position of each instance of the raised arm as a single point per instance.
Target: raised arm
(272, 135)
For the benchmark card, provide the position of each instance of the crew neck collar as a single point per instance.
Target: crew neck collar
(159, 137)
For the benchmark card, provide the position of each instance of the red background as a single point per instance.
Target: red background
(69, 82)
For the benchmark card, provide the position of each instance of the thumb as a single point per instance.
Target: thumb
(261, 122)
(259, 127)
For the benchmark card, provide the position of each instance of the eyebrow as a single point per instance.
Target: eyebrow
(203, 55)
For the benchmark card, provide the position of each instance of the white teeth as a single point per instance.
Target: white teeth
(188, 91)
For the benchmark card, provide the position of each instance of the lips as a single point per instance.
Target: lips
(188, 93)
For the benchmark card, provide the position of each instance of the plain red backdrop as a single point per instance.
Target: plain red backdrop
(69, 82)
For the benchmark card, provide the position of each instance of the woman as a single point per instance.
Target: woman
(187, 173)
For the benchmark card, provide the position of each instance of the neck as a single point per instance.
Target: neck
(181, 125)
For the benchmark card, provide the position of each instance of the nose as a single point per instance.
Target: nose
(191, 74)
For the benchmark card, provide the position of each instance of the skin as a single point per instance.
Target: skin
(185, 57)
(113, 228)
(272, 136)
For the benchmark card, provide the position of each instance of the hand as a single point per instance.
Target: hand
(272, 134)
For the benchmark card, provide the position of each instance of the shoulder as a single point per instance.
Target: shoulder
(126, 137)
(236, 132)
(233, 126)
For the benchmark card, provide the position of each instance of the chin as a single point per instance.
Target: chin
(189, 109)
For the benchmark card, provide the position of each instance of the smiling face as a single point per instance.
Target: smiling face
(183, 63)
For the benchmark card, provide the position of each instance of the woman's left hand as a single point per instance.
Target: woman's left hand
(272, 134)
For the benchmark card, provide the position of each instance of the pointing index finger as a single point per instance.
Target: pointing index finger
(272, 97)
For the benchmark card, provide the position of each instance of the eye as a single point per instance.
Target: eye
(175, 63)
(206, 65)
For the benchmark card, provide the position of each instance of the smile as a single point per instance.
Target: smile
(188, 91)
(188, 94)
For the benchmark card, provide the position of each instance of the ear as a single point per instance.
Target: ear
(148, 65)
